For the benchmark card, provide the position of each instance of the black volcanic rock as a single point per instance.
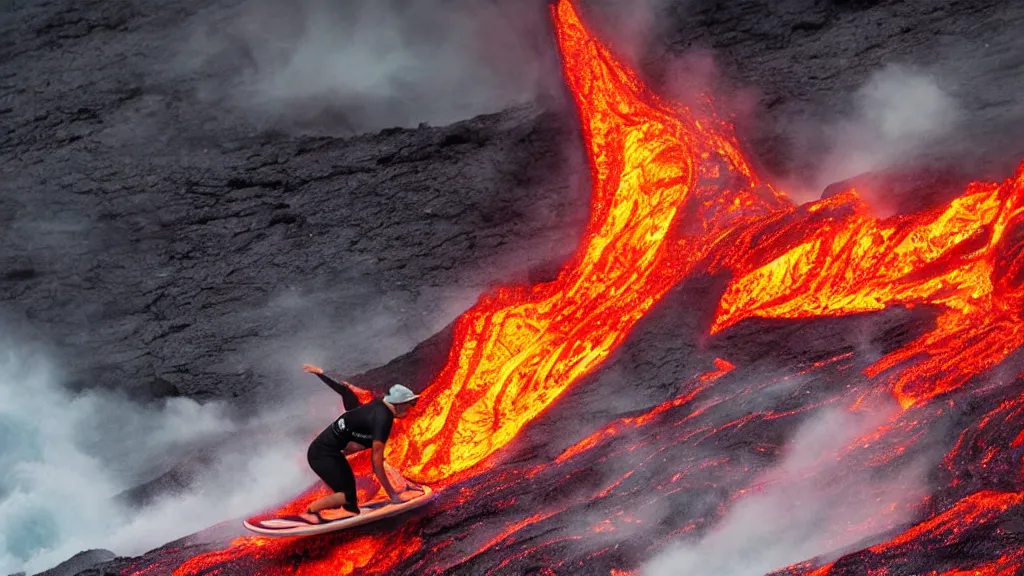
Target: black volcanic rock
(164, 245)
(156, 237)
(804, 59)
(79, 563)
(904, 192)
(151, 277)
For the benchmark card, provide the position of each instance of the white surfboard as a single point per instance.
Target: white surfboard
(369, 512)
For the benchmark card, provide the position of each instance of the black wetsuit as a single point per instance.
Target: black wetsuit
(348, 397)
(361, 424)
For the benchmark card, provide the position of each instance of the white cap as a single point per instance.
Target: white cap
(399, 394)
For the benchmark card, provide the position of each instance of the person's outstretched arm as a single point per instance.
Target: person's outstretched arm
(348, 397)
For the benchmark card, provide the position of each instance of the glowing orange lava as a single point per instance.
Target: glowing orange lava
(517, 350)
(977, 509)
(835, 259)
(673, 195)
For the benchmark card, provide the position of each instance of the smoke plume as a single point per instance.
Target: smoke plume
(899, 116)
(363, 65)
(66, 458)
(315, 66)
(813, 503)
(898, 112)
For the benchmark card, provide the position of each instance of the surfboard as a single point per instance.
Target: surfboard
(370, 512)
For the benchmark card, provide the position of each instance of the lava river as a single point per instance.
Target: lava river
(902, 330)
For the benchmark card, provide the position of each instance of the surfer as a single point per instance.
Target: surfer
(360, 427)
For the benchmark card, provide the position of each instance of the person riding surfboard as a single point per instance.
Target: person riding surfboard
(360, 427)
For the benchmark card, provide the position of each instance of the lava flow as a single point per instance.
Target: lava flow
(836, 259)
(673, 197)
(516, 351)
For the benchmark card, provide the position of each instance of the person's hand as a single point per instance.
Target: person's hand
(312, 369)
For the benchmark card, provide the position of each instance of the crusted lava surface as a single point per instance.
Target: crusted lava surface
(688, 440)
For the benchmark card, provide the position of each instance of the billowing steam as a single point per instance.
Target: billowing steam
(368, 64)
(898, 114)
(814, 502)
(340, 68)
(66, 459)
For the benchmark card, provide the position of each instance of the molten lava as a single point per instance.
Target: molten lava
(517, 350)
(836, 259)
(673, 197)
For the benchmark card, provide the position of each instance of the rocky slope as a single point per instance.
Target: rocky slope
(165, 244)
(99, 133)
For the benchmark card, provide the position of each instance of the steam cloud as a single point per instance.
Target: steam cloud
(811, 504)
(898, 113)
(315, 65)
(899, 116)
(65, 458)
(629, 27)
(341, 68)
(355, 326)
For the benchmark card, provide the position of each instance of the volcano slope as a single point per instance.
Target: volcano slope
(777, 384)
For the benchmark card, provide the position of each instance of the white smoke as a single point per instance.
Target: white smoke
(338, 68)
(629, 27)
(813, 503)
(354, 328)
(238, 483)
(371, 64)
(897, 116)
(64, 458)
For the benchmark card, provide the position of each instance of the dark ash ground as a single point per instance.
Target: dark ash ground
(162, 238)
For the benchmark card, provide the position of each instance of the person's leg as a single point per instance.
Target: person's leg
(336, 500)
(335, 471)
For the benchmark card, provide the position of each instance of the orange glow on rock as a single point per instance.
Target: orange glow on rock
(835, 259)
(672, 196)
(519, 349)
(975, 510)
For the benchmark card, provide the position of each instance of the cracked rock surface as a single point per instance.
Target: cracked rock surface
(162, 243)
(159, 241)
(159, 250)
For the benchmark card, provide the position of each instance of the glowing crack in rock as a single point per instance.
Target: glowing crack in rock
(836, 259)
(673, 196)
(517, 350)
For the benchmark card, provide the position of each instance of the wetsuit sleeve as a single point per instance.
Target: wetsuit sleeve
(382, 427)
(348, 397)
